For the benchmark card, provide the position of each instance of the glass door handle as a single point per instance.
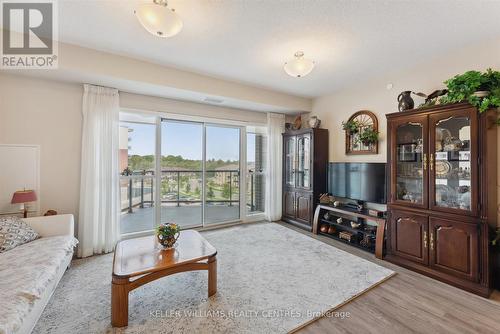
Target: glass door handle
(431, 166)
(425, 161)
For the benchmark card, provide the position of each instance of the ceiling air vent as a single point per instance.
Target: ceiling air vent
(213, 100)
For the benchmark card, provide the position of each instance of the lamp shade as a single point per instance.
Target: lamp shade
(158, 19)
(23, 196)
(299, 66)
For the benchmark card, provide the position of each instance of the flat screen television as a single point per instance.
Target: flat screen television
(358, 181)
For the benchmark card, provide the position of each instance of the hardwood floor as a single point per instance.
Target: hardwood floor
(409, 303)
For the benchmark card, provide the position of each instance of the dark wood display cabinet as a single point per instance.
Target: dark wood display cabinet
(305, 160)
(442, 177)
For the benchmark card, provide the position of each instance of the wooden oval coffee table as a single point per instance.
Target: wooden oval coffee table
(141, 260)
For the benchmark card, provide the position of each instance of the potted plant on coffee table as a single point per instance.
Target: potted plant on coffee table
(167, 234)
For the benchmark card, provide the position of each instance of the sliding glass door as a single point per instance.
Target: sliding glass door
(191, 173)
(222, 174)
(181, 185)
(137, 174)
(200, 173)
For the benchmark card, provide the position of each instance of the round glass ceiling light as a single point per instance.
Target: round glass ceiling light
(158, 19)
(299, 66)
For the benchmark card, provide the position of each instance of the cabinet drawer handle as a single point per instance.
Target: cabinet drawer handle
(425, 239)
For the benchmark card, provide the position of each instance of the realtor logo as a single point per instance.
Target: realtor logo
(29, 34)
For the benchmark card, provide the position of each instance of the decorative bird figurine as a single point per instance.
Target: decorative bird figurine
(435, 94)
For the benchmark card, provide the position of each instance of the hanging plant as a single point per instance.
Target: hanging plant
(368, 136)
(359, 123)
(351, 126)
(482, 90)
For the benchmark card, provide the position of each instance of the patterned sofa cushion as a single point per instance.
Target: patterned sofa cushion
(26, 272)
(14, 232)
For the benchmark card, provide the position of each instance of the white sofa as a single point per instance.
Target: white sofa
(29, 273)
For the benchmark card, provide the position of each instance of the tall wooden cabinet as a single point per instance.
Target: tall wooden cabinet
(442, 176)
(305, 160)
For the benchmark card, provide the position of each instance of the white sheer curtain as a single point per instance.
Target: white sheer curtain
(274, 191)
(98, 224)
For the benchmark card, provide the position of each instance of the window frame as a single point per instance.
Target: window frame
(245, 127)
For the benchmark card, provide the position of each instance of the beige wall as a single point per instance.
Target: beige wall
(48, 113)
(151, 103)
(136, 73)
(373, 95)
(79, 64)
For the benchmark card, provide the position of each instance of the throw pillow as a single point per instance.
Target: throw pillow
(14, 232)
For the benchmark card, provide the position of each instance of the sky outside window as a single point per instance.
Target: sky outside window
(184, 139)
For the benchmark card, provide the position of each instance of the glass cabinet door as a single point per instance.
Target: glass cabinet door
(409, 150)
(290, 160)
(453, 151)
(304, 161)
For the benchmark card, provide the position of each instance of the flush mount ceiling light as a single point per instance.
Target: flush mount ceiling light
(299, 66)
(158, 19)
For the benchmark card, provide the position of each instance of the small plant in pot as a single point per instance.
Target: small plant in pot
(167, 234)
(368, 136)
(482, 90)
(351, 126)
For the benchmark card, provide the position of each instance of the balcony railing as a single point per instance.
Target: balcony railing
(179, 187)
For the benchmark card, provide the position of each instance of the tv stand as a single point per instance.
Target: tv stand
(352, 214)
(354, 206)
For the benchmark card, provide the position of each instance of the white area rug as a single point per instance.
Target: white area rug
(271, 279)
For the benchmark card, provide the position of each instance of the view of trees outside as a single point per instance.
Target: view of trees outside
(183, 146)
(132, 191)
(182, 176)
(147, 162)
(181, 160)
(222, 179)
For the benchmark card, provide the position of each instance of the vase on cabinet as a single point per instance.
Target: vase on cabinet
(314, 122)
(405, 101)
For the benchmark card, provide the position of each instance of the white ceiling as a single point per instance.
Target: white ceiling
(249, 40)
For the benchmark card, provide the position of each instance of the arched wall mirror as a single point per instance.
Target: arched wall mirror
(361, 135)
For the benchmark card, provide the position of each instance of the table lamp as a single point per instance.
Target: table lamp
(22, 197)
